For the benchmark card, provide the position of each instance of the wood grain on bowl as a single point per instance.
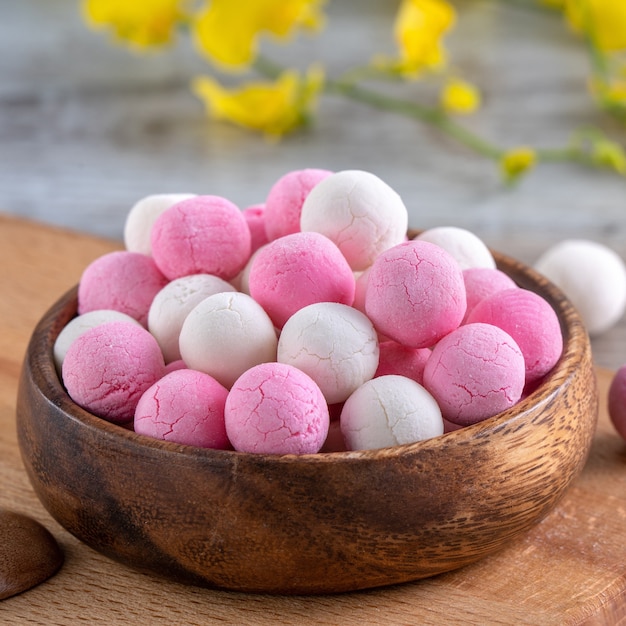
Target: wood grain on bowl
(316, 523)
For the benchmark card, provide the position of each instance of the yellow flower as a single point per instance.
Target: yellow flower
(516, 162)
(603, 20)
(227, 31)
(459, 96)
(274, 108)
(609, 154)
(141, 23)
(611, 92)
(419, 28)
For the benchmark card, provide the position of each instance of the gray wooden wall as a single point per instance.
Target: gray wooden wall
(86, 129)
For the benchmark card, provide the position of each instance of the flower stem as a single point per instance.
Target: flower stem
(433, 116)
(576, 151)
(266, 67)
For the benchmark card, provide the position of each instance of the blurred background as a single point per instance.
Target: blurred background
(87, 128)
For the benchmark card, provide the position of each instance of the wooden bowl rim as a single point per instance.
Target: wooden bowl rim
(575, 343)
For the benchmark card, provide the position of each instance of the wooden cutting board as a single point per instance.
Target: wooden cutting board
(569, 569)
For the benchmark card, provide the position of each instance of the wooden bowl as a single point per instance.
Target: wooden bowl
(318, 523)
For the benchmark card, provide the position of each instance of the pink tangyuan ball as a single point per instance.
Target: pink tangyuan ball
(201, 235)
(81, 323)
(481, 282)
(415, 294)
(284, 201)
(172, 366)
(185, 406)
(401, 360)
(450, 427)
(107, 369)
(122, 281)
(255, 216)
(530, 320)
(274, 408)
(297, 270)
(475, 372)
(617, 401)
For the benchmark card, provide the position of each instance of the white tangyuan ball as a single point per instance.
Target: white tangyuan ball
(592, 276)
(174, 302)
(225, 335)
(336, 345)
(468, 249)
(359, 212)
(389, 411)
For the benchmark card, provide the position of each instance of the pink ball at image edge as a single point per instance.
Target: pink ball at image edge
(617, 401)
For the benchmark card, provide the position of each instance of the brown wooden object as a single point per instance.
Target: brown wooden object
(317, 523)
(29, 554)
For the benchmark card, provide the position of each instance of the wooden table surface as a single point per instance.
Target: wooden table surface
(569, 569)
(86, 129)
